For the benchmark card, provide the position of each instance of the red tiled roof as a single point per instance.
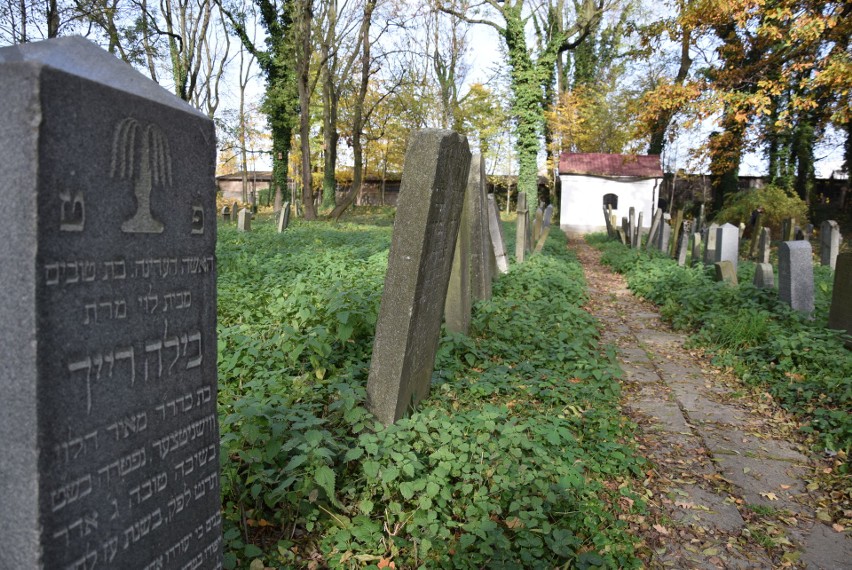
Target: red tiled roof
(598, 164)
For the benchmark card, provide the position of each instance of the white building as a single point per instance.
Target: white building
(591, 181)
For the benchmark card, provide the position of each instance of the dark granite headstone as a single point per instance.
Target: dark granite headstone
(428, 211)
(110, 444)
(226, 214)
(796, 275)
(840, 314)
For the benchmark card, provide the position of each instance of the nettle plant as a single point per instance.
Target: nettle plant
(519, 457)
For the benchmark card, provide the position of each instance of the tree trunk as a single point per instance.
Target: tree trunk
(357, 114)
(804, 140)
(304, 65)
(52, 19)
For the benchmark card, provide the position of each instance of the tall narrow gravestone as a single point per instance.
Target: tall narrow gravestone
(655, 226)
(710, 245)
(764, 245)
(458, 302)
(696, 249)
(110, 444)
(495, 230)
(840, 314)
(829, 241)
(521, 230)
(244, 220)
(431, 194)
(796, 275)
(637, 235)
(480, 251)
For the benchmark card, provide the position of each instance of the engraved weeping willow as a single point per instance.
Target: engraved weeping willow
(153, 167)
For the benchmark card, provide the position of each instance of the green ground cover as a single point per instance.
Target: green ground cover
(800, 362)
(520, 457)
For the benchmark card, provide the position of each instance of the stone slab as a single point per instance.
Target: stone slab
(728, 244)
(495, 231)
(110, 438)
(764, 276)
(796, 275)
(480, 250)
(429, 207)
(725, 272)
(829, 239)
(840, 313)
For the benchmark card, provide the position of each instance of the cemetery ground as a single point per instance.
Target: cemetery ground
(528, 452)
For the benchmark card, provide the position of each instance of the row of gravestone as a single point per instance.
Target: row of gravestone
(244, 216)
(721, 248)
(109, 426)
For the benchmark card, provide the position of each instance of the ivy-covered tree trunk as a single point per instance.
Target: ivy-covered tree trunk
(726, 149)
(804, 139)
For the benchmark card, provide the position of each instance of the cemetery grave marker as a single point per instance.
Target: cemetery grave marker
(683, 244)
(235, 208)
(655, 225)
(696, 248)
(796, 275)
(284, 217)
(755, 235)
(521, 230)
(538, 223)
(481, 252)
(244, 220)
(631, 225)
(728, 244)
(548, 215)
(226, 214)
(710, 245)
(637, 236)
(434, 177)
(677, 221)
(110, 439)
(764, 276)
(764, 246)
(829, 240)
(840, 314)
(726, 272)
(495, 230)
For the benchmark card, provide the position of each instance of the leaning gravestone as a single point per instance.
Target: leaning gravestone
(457, 303)
(840, 314)
(637, 235)
(728, 244)
(655, 225)
(110, 444)
(284, 217)
(428, 212)
(796, 275)
(631, 213)
(726, 272)
(521, 231)
(683, 243)
(481, 253)
(244, 220)
(829, 240)
(764, 276)
(538, 224)
(495, 230)
(548, 216)
(235, 208)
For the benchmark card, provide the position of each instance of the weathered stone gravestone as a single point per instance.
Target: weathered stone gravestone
(235, 208)
(458, 300)
(796, 275)
(110, 444)
(725, 271)
(700, 220)
(548, 215)
(542, 240)
(631, 213)
(710, 244)
(521, 229)
(741, 230)
(764, 276)
(244, 220)
(637, 235)
(665, 236)
(226, 214)
(755, 235)
(764, 246)
(683, 243)
(428, 212)
(655, 225)
(696, 248)
(840, 314)
(538, 224)
(625, 229)
(495, 230)
(829, 243)
(728, 244)
(481, 253)
(284, 217)
(607, 212)
(676, 224)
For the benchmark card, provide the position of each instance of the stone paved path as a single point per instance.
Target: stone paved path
(725, 494)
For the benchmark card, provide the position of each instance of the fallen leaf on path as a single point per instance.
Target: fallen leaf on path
(770, 496)
(838, 527)
(661, 529)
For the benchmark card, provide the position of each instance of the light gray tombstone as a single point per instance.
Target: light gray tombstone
(457, 303)
(521, 230)
(840, 313)
(481, 253)
(725, 271)
(655, 226)
(710, 245)
(696, 248)
(631, 213)
(764, 246)
(226, 214)
(764, 276)
(434, 177)
(796, 275)
(829, 243)
(728, 244)
(107, 402)
(742, 228)
(683, 242)
(665, 234)
(244, 220)
(548, 215)
(284, 217)
(637, 235)
(495, 230)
